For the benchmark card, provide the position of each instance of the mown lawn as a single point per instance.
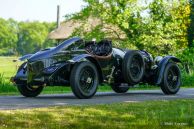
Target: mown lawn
(8, 67)
(144, 115)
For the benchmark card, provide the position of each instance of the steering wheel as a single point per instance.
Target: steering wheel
(98, 49)
(101, 49)
(90, 47)
(108, 48)
(104, 49)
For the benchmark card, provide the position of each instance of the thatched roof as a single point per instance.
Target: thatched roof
(67, 28)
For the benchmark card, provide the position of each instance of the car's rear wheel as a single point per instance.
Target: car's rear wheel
(120, 87)
(84, 80)
(29, 91)
(133, 67)
(171, 79)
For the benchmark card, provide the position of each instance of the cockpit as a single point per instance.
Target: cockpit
(102, 48)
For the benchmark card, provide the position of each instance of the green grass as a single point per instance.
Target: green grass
(8, 67)
(144, 115)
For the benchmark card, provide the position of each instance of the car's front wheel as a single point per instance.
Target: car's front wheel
(171, 79)
(84, 80)
(29, 91)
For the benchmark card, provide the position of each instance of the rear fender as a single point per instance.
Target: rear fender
(162, 65)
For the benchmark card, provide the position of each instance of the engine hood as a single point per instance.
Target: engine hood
(47, 53)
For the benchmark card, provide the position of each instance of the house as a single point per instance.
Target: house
(67, 28)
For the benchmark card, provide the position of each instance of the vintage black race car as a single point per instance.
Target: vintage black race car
(85, 64)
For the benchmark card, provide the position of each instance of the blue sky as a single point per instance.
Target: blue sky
(41, 10)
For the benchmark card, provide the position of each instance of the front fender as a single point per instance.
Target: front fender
(79, 58)
(21, 75)
(162, 65)
(87, 57)
(25, 57)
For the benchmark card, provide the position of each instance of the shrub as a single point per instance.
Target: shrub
(187, 79)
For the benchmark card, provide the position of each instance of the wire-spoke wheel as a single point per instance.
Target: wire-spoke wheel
(84, 80)
(171, 79)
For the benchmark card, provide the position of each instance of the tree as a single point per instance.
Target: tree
(124, 14)
(191, 26)
(167, 26)
(160, 26)
(8, 36)
(32, 36)
(188, 53)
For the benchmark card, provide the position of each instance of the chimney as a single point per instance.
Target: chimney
(58, 16)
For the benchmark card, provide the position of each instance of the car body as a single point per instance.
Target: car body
(86, 64)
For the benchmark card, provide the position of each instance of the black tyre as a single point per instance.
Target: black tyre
(84, 80)
(133, 67)
(29, 91)
(171, 79)
(120, 88)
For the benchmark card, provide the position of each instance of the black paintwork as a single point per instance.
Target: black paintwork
(53, 66)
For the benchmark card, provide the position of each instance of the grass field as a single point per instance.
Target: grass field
(144, 115)
(8, 67)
